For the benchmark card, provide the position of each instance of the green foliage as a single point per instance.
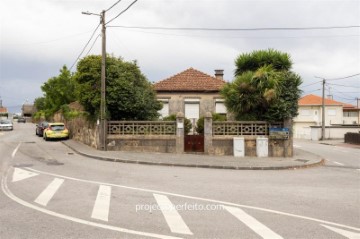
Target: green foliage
(257, 59)
(71, 114)
(263, 89)
(129, 94)
(39, 103)
(201, 121)
(187, 122)
(58, 91)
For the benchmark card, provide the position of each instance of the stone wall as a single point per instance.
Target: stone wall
(142, 143)
(84, 131)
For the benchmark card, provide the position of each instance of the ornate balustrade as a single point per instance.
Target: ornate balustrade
(242, 127)
(141, 127)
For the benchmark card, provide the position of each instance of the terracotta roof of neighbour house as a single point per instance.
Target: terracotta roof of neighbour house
(317, 100)
(190, 80)
(3, 110)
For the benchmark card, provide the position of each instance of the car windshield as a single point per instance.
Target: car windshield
(57, 127)
(5, 122)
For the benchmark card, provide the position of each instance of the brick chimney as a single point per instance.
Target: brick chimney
(219, 74)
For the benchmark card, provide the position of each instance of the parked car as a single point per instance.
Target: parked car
(40, 128)
(6, 125)
(21, 120)
(56, 131)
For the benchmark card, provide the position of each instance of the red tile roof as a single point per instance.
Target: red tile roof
(3, 110)
(317, 100)
(190, 80)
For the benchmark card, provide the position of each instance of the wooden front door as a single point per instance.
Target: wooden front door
(194, 143)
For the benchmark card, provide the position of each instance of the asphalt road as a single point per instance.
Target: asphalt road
(48, 191)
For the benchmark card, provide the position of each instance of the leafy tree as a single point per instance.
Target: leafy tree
(39, 103)
(58, 91)
(187, 122)
(264, 87)
(129, 95)
(201, 121)
(257, 59)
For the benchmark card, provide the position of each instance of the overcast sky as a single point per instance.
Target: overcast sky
(38, 37)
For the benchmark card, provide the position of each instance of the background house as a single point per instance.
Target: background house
(310, 114)
(3, 111)
(191, 92)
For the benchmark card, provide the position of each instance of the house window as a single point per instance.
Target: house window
(164, 112)
(220, 107)
(331, 112)
(350, 114)
(192, 108)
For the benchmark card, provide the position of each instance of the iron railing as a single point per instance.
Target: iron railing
(141, 127)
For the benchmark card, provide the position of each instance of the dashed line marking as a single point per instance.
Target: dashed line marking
(46, 195)
(102, 203)
(252, 223)
(15, 150)
(10, 195)
(171, 215)
(347, 234)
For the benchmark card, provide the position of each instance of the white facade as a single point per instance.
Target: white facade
(312, 116)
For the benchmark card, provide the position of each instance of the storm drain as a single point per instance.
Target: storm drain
(29, 142)
(302, 160)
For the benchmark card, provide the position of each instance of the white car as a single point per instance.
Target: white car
(6, 125)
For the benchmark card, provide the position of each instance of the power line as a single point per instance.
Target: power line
(92, 45)
(233, 29)
(92, 35)
(344, 85)
(311, 84)
(345, 77)
(122, 11)
(112, 6)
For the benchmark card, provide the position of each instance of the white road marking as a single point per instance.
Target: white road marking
(8, 193)
(347, 234)
(102, 203)
(338, 163)
(252, 223)
(46, 195)
(172, 217)
(21, 174)
(200, 199)
(15, 150)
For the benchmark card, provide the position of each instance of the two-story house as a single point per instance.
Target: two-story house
(310, 114)
(191, 92)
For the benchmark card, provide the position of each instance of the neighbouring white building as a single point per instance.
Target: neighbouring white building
(310, 114)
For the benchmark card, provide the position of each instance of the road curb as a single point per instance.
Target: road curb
(286, 167)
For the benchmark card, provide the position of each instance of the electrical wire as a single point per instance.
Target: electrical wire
(112, 6)
(342, 78)
(92, 35)
(310, 84)
(122, 11)
(92, 45)
(234, 29)
(358, 87)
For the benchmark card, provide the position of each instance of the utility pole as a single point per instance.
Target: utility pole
(103, 123)
(323, 111)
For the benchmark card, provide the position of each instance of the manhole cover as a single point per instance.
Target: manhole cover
(22, 165)
(302, 160)
(29, 142)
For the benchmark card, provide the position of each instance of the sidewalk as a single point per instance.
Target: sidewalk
(301, 159)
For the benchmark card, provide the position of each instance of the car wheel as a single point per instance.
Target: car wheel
(45, 138)
(36, 133)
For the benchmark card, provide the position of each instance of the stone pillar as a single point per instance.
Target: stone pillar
(208, 133)
(180, 132)
(288, 144)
